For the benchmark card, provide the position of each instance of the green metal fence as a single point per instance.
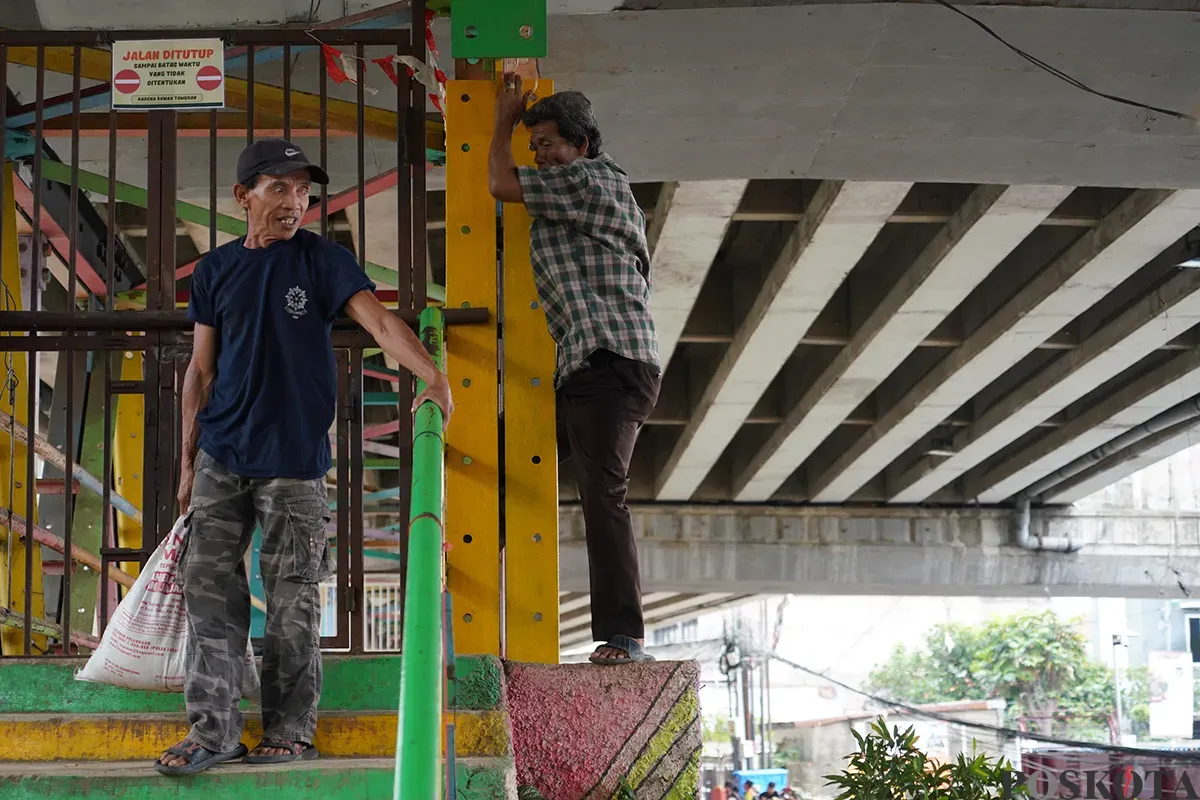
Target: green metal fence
(422, 671)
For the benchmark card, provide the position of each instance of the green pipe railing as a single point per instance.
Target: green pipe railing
(422, 671)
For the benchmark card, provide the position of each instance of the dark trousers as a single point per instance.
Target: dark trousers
(600, 411)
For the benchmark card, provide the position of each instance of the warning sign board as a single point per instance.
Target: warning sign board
(167, 74)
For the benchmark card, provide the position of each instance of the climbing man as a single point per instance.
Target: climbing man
(258, 400)
(591, 266)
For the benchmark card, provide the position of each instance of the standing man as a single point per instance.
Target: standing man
(591, 266)
(258, 400)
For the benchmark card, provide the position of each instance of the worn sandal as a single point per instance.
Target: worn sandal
(297, 751)
(199, 758)
(634, 652)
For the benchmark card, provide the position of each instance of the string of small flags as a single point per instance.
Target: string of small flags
(345, 68)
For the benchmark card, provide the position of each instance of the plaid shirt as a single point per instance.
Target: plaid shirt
(591, 264)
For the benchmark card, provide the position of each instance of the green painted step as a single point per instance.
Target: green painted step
(329, 779)
(352, 683)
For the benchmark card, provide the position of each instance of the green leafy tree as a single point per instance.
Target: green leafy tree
(1038, 663)
(890, 766)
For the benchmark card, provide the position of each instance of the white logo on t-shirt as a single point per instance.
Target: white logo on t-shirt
(297, 302)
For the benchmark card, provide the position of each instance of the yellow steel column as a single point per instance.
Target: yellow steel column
(472, 441)
(129, 455)
(530, 460)
(14, 456)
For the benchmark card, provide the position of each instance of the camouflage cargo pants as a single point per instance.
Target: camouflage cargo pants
(294, 559)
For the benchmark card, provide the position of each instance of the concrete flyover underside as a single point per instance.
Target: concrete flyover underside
(899, 551)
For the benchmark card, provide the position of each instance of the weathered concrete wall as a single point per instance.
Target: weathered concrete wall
(900, 551)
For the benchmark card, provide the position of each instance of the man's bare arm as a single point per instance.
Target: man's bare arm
(197, 384)
(503, 183)
(399, 342)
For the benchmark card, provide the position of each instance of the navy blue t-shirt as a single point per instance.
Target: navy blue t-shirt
(273, 400)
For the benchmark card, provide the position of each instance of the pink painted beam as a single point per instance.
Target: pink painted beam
(381, 429)
(42, 536)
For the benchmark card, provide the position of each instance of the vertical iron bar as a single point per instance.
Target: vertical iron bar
(107, 535)
(287, 92)
(212, 181)
(250, 94)
(35, 277)
(416, 144)
(357, 570)
(404, 237)
(150, 365)
(324, 89)
(344, 590)
(165, 446)
(4, 303)
(416, 159)
(360, 109)
(69, 441)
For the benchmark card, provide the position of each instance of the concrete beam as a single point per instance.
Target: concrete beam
(1143, 399)
(688, 226)
(900, 551)
(838, 226)
(991, 223)
(1168, 312)
(1140, 228)
(1149, 451)
(665, 609)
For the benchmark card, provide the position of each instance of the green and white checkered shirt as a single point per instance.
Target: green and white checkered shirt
(591, 264)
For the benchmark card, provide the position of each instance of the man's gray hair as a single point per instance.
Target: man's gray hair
(572, 112)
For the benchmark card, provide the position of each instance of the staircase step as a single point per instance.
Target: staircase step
(117, 737)
(327, 778)
(352, 683)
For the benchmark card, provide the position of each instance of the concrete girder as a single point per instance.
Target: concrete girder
(688, 226)
(1143, 399)
(663, 609)
(1167, 312)
(992, 222)
(839, 224)
(1140, 228)
(900, 551)
(1151, 450)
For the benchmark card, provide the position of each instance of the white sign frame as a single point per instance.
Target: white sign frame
(168, 74)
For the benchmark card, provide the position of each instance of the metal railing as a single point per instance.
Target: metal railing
(103, 270)
(422, 657)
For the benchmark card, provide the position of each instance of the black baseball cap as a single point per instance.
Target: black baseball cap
(275, 157)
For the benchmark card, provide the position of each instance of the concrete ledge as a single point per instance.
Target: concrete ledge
(329, 779)
(121, 737)
(898, 551)
(352, 683)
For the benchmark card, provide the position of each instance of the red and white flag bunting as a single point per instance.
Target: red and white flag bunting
(428, 74)
(343, 68)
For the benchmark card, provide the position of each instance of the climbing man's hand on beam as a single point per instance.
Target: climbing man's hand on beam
(511, 102)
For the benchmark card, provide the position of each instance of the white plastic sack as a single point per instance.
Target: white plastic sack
(145, 645)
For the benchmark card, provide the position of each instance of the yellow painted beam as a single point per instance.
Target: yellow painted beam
(14, 455)
(530, 448)
(129, 456)
(340, 115)
(138, 737)
(473, 444)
